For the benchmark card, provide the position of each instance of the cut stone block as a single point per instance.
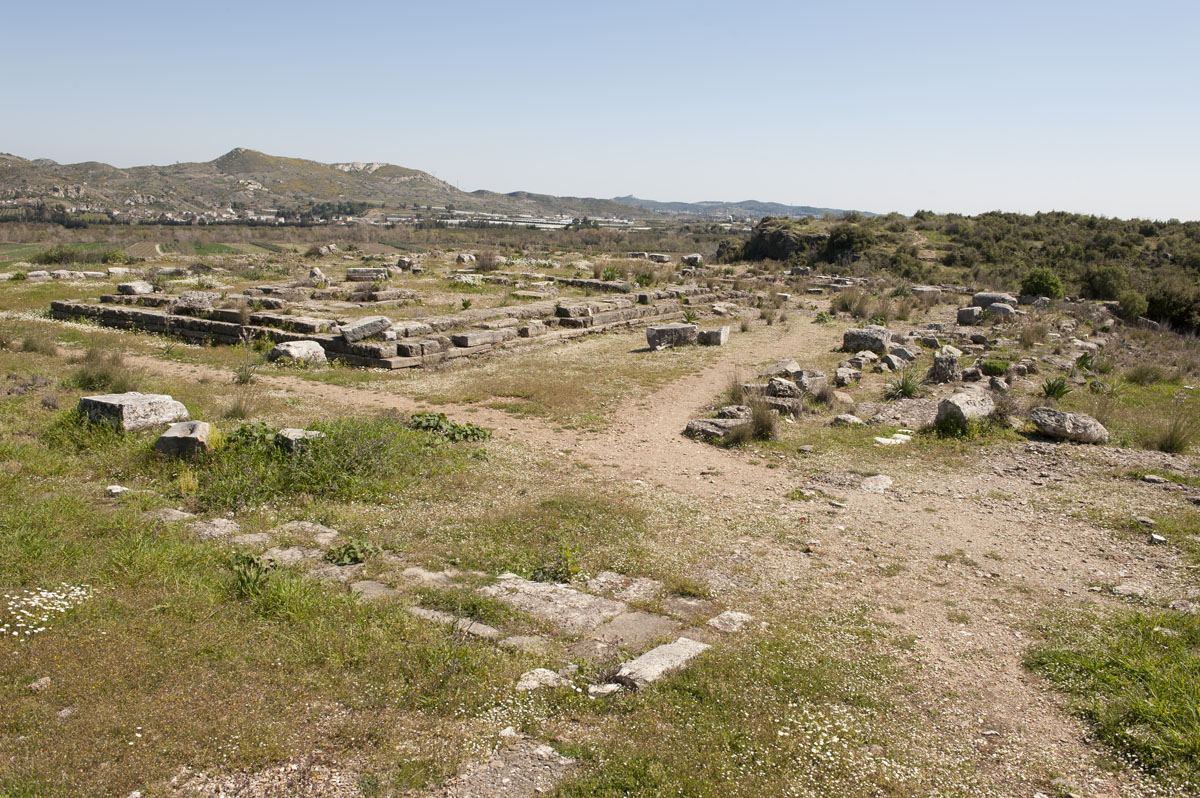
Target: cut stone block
(659, 662)
(184, 439)
(563, 606)
(294, 440)
(717, 337)
(135, 288)
(968, 316)
(366, 274)
(711, 429)
(479, 337)
(309, 352)
(661, 336)
(365, 328)
(133, 411)
(872, 338)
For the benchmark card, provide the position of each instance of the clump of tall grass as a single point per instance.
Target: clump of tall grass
(1179, 433)
(104, 370)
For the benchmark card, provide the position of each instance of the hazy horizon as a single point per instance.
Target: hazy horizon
(1079, 107)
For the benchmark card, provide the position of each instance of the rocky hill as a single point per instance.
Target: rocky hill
(243, 178)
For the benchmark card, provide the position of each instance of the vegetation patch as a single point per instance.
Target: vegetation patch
(1135, 676)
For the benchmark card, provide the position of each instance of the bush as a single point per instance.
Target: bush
(39, 344)
(1042, 281)
(1133, 305)
(1033, 333)
(487, 261)
(1145, 374)
(995, 367)
(763, 421)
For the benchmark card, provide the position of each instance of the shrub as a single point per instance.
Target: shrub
(1033, 333)
(690, 315)
(734, 393)
(1041, 281)
(1055, 388)
(39, 344)
(995, 367)
(823, 318)
(767, 315)
(1145, 374)
(1133, 305)
(487, 261)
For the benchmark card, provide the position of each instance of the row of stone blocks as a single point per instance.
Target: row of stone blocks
(405, 352)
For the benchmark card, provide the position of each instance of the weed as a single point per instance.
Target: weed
(1182, 427)
(245, 373)
(1055, 388)
(823, 318)
(466, 303)
(250, 575)
(40, 345)
(763, 421)
(904, 385)
(562, 567)
(734, 391)
(105, 371)
(1033, 333)
(438, 424)
(352, 552)
(690, 316)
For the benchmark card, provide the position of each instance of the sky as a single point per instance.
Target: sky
(882, 106)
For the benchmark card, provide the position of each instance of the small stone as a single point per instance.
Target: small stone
(1157, 540)
(113, 491)
(848, 420)
(65, 713)
(1130, 590)
(1144, 521)
(878, 483)
(40, 685)
(601, 690)
(1155, 479)
(305, 352)
(538, 678)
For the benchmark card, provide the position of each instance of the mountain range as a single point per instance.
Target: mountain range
(243, 178)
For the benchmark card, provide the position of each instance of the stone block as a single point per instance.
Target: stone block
(184, 439)
(662, 336)
(365, 328)
(133, 411)
(717, 337)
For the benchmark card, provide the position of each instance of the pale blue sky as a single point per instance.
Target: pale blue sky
(1082, 106)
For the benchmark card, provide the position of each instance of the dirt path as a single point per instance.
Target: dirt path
(960, 571)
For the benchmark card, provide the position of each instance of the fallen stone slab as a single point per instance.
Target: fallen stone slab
(307, 352)
(984, 299)
(659, 662)
(370, 590)
(663, 336)
(730, 621)
(688, 607)
(1068, 426)
(255, 539)
(629, 630)
(169, 515)
(465, 625)
(320, 534)
(366, 274)
(365, 328)
(292, 555)
(712, 429)
(184, 439)
(847, 420)
(214, 529)
(133, 411)
(566, 608)
(295, 440)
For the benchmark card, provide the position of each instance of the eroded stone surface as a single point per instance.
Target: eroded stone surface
(730, 621)
(568, 609)
(215, 528)
(521, 768)
(370, 590)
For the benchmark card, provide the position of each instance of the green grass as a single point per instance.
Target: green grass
(789, 712)
(1135, 677)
